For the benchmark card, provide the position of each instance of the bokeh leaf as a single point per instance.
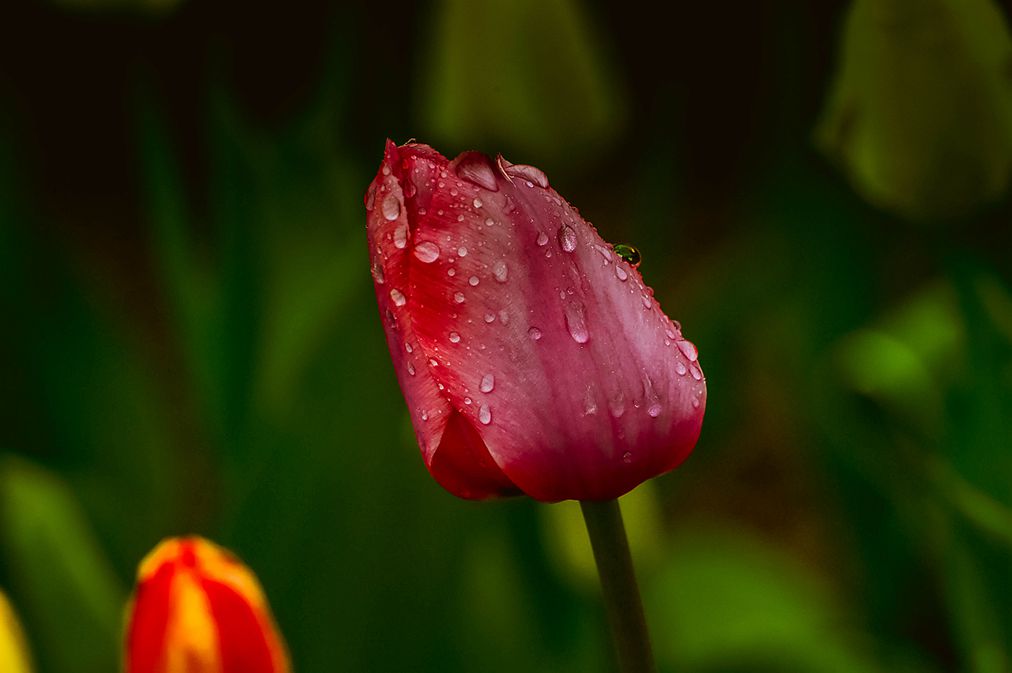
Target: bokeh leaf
(73, 601)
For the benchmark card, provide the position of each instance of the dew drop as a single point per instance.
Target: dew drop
(696, 372)
(490, 318)
(589, 402)
(411, 369)
(629, 253)
(484, 414)
(621, 273)
(576, 322)
(567, 238)
(542, 238)
(377, 273)
(654, 410)
(458, 297)
(680, 368)
(425, 415)
(462, 251)
(391, 207)
(427, 252)
(504, 317)
(473, 280)
(451, 271)
(689, 350)
(454, 338)
(408, 347)
(695, 403)
(534, 333)
(647, 301)
(487, 383)
(401, 236)
(616, 405)
(398, 297)
(500, 270)
(477, 202)
(627, 457)
(489, 222)
(386, 170)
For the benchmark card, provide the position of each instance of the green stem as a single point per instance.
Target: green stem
(618, 585)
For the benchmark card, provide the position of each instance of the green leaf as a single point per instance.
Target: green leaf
(72, 601)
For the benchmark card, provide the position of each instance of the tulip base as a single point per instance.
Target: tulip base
(618, 585)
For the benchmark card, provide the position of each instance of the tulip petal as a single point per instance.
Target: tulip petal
(536, 334)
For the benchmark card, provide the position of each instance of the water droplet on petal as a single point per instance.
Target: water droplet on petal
(542, 238)
(484, 414)
(411, 369)
(477, 202)
(489, 222)
(458, 297)
(647, 301)
(451, 271)
(408, 348)
(401, 236)
(462, 251)
(654, 410)
(534, 333)
(629, 253)
(616, 405)
(490, 318)
(425, 415)
(627, 457)
(427, 252)
(696, 372)
(500, 270)
(473, 280)
(695, 403)
(398, 297)
(567, 238)
(504, 317)
(621, 273)
(386, 170)
(487, 383)
(391, 207)
(680, 368)
(377, 273)
(576, 322)
(454, 338)
(689, 350)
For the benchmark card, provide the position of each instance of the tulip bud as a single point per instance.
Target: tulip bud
(920, 115)
(13, 650)
(532, 357)
(198, 609)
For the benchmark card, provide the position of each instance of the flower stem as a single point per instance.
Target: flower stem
(618, 585)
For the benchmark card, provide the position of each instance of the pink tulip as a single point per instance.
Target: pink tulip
(532, 357)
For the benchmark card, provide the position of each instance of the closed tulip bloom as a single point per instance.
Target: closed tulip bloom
(13, 650)
(198, 609)
(533, 358)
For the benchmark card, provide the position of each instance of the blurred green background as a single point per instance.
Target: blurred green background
(190, 341)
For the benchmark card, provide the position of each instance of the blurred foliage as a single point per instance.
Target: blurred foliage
(191, 343)
(921, 113)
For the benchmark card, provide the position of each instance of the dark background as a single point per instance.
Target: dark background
(189, 340)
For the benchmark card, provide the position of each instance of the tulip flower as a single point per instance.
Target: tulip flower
(13, 650)
(533, 358)
(198, 609)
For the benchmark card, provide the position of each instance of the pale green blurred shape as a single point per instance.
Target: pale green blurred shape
(920, 115)
(59, 571)
(523, 75)
(569, 547)
(727, 601)
(904, 361)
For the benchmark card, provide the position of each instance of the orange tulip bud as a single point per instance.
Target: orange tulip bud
(198, 609)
